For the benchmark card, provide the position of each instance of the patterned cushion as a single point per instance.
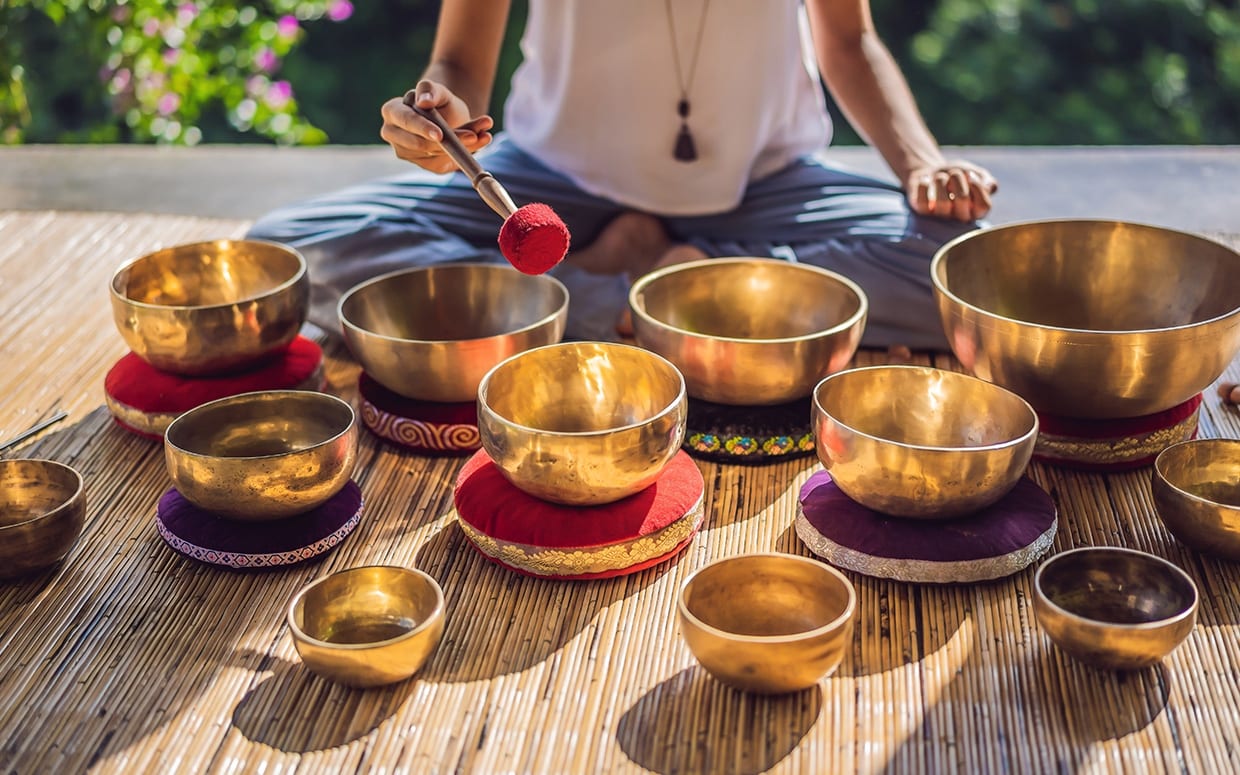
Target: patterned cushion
(1114, 445)
(749, 434)
(425, 427)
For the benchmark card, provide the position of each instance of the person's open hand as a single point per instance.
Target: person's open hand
(956, 190)
(415, 139)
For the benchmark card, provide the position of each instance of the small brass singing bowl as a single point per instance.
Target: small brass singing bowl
(749, 331)
(1116, 609)
(42, 512)
(431, 333)
(1091, 319)
(1196, 488)
(262, 456)
(919, 442)
(211, 308)
(367, 626)
(582, 423)
(767, 623)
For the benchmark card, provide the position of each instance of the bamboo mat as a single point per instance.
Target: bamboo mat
(129, 658)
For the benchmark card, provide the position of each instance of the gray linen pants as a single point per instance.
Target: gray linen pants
(808, 212)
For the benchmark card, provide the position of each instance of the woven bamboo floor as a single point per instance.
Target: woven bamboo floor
(129, 658)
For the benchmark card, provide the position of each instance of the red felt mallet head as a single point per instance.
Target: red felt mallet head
(534, 239)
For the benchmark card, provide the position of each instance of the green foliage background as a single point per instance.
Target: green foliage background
(305, 71)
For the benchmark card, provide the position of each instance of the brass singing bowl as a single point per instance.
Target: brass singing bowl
(1091, 319)
(914, 441)
(42, 512)
(1113, 608)
(367, 626)
(582, 423)
(262, 456)
(749, 331)
(767, 623)
(431, 333)
(210, 308)
(1196, 488)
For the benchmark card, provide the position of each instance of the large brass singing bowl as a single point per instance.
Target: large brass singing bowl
(367, 626)
(1196, 488)
(1117, 609)
(768, 623)
(211, 307)
(1091, 319)
(749, 331)
(42, 511)
(262, 456)
(432, 333)
(582, 423)
(913, 441)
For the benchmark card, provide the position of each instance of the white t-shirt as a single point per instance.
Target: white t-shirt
(596, 95)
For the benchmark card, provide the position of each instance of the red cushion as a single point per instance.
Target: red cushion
(995, 542)
(145, 400)
(1114, 445)
(425, 427)
(538, 538)
(200, 535)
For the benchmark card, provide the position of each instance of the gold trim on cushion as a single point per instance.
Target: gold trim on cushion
(1117, 450)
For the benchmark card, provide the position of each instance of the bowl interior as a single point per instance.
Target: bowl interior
(925, 407)
(208, 273)
(749, 299)
(1116, 587)
(260, 425)
(366, 606)
(584, 387)
(1092, 275)
(1206, 468)
(30, 489)
(452, 302)
(767, 596)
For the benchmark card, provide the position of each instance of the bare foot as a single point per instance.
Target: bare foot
(631, 244)
(676, 254)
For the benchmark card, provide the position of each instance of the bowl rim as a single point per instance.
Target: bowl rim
(237, 398)
(1028, 437)
(849, 610)
(437, 613)
(672, 406)
(297, 277)
(1158, 624)
(69, 503)
(1179, 446)
(639, 310)
(940, 285)
(561, 311)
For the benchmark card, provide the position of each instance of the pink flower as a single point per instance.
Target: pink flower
(171, 55)
(256, 85)
(186, 13)
(168, 104)
(340, 10)
(120, 81)
(287, 27)
(279, 93)
(266, 60)
(150, 28)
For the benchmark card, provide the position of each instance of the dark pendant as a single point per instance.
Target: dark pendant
(685, 149)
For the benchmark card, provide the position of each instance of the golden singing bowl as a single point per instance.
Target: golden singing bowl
(1197, 494)
(1091, 319)
(767, 623)
(432, 333)
(211, 307)
(262, 456)
(1117, 609)
(367, 626)
(42, 511)
(582, 423)
(913, 441)
(749, 331)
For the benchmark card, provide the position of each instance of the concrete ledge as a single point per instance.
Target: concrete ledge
(1191, 188)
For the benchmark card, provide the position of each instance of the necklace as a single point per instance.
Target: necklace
(685, 149)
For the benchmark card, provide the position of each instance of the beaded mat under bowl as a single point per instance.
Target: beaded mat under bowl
(202, 536)
(998, 541)
(425, 427)
(1114, 445)
(749, 434)
(538, 538)
(145, 400)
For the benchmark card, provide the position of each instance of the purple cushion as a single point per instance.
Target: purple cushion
(995, 542)
(200, 535)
